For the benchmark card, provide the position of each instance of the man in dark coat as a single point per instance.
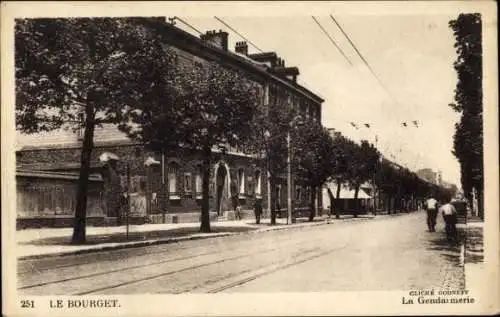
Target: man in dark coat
(257, 208)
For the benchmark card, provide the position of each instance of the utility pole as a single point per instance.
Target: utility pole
(128, 196)
(163, 187)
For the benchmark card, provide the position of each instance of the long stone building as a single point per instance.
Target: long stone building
(163, 189)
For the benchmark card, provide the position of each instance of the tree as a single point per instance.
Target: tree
(361, 167)
(208, 106)
(468, 138)
(314, 159)
(386, 181)
(268, 138)
(79, 73)
(343, 148)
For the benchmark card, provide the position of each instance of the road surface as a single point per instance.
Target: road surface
(392, 252)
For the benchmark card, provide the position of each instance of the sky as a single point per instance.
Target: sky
(412, 55)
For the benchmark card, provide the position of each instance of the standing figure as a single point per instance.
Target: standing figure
(236, 207)
(257, 208)
(449, 213)
(431, 207)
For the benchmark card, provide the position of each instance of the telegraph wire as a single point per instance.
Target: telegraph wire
(229, 27)
(405, 124)
(364, 60)
(332, 40)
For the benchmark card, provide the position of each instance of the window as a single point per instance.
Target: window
(188, 185)
(198, 181)
(241, 181)
(298, 193)
(173, 169)
(266, 95)
(257, 183)
(278, 197)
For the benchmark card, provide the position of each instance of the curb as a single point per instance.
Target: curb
(155, 242)
(123, 246)
(180, 239)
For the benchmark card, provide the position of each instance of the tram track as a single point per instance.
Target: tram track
(164, 261)
(267, 271)
(27, 265)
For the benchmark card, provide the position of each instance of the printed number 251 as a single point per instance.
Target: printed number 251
(27, 304)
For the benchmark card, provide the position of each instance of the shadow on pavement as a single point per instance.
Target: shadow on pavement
(121, 237)
(449, 250)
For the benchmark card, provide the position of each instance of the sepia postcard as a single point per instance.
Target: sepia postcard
(249, 158)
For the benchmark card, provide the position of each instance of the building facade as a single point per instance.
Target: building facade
(429, 175)
(167, 188)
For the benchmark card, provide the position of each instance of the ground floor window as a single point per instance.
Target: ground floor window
(188, 186)
(241, 181)
(172, 171)
(298, 193)
(258, 191)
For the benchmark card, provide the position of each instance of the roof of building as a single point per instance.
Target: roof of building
(187, 41)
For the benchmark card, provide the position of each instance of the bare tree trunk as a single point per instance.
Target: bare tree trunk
(272, 182)
(337, 199)
(312, 211)
(79, 223)
(205, 206)
(332, 201)
(356, 202)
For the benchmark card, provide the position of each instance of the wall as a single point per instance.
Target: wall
(147, 185)
(51, 197)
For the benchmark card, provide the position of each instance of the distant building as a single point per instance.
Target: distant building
(439, 178)
(428, 174)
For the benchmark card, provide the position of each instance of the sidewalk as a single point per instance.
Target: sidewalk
(46, 242)
(474, 255)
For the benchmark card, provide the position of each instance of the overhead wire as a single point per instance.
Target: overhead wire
(239, 34)
(332, 40)
(363, 59)
(382, 85)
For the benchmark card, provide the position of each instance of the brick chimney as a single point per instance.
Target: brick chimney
(241, 48)
(280, 62)
(216, 38)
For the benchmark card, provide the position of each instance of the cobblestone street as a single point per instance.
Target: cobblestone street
(390, 252)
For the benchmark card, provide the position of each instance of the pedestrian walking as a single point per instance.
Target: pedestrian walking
(449, 213)
(257, 208)
(431, 206)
